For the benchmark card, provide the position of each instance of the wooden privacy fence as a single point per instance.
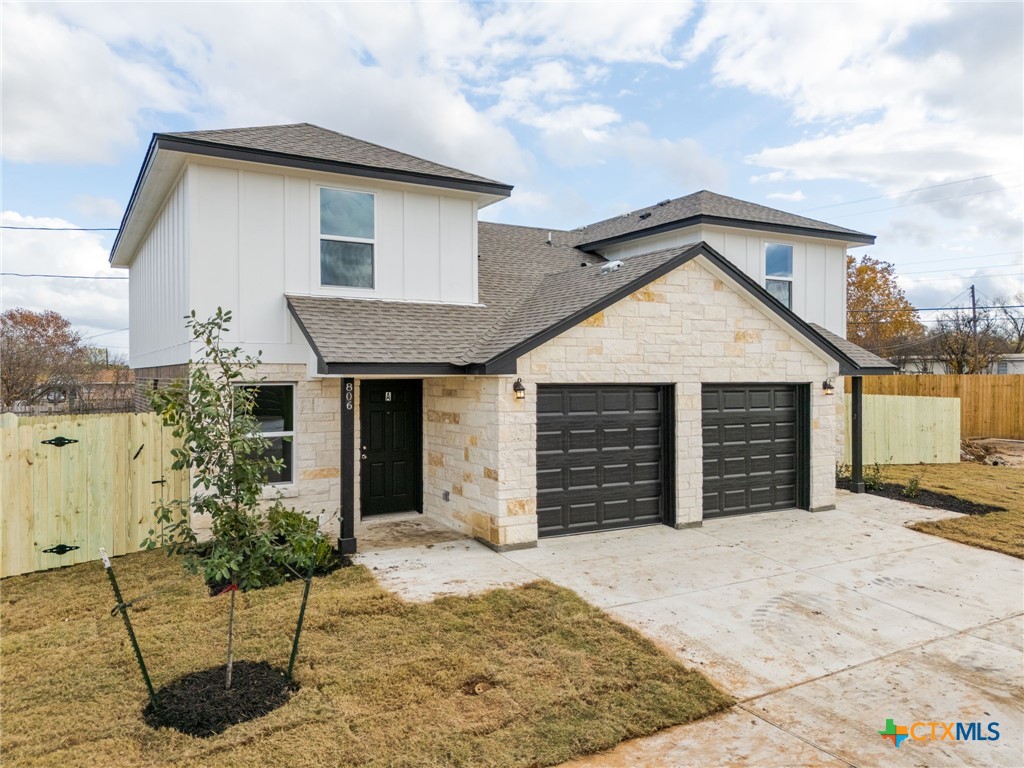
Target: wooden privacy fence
(99, 491)
(908, 430)
(991, 405)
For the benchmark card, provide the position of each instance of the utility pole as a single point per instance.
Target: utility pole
(974, 326)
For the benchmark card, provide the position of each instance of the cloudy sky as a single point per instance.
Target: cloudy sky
(901, 119)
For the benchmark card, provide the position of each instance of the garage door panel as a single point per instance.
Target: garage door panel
(549, 479)
(582, 402)
(616, 402)
(647, 401)
(752, 456)
(600, 458)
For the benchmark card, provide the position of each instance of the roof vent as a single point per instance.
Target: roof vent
(645, 215)
(611, 266)
(664, 202)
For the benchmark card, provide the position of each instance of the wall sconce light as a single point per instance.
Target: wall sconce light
(828, 387)
(519, 389)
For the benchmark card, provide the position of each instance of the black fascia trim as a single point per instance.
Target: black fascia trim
(850, 237)
(856, 371)
(395, 369)
(266, 157)
(321, 364)
(501, 363)
(139, 180)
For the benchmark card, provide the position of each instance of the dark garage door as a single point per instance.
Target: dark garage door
(601, 457)
(755, 447)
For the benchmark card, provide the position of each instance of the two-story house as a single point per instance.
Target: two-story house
(661, 367)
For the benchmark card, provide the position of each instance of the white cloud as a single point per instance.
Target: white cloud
(882, 111)
(791, 197)
(92, 305)
(67, 96)
(104, 208)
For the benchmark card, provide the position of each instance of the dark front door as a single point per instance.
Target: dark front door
(602, 457)
(390, 456)
(755, 447)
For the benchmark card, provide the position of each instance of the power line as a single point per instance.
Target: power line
(905, 192)
(947, 269)
(925, 202)
(959, 258)
(105, 333)
(937, 309)
(964, 277)
(61, 277)
(63, 229)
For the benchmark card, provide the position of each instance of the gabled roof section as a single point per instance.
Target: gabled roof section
(301, 145)
(530, 292)
(312, 143)
(707, 208)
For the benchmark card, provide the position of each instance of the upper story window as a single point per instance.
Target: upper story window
(275, 411)
(346, 238)
(778, 271)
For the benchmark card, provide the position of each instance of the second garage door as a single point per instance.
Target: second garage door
(755, 447)
(601, 457)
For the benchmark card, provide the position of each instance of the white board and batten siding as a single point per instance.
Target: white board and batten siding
(819, 266)
(246, 236)
(158, 288)
(908, 430)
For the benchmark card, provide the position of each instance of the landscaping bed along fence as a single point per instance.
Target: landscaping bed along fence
(72, 484)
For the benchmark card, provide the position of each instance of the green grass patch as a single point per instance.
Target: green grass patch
(383, 681)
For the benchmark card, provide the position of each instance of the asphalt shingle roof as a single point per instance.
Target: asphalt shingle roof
(313, 142)
(526, 288)
(862, 357)
(702, 203)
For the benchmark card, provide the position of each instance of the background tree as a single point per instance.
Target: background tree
(878, 315)
(957, 343)
(1010, 319)
(39, 352)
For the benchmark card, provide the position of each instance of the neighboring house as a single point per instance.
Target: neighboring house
(663, 366)
(1008, 363)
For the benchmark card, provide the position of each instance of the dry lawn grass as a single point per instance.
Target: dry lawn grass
(380, 678)
(998, 486)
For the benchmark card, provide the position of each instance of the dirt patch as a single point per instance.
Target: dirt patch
(199, 705)
(927, 498)
(404, 533)
(1001, 453)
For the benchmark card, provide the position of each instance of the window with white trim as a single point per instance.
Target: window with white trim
(274, 409)
(1002, 367)
(347, 238)
(778, 272)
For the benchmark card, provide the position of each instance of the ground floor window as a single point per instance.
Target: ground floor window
(275, 411)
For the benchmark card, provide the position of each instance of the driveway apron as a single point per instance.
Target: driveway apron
(823, 626)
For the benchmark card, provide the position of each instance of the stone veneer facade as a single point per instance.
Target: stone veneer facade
(686, 328)
(316, 473)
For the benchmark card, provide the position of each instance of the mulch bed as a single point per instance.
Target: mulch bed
(198, 704)
(927, 498)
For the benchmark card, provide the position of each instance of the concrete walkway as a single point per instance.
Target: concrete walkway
(823, 626)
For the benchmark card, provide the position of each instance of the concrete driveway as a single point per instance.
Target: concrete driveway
(823, 626)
